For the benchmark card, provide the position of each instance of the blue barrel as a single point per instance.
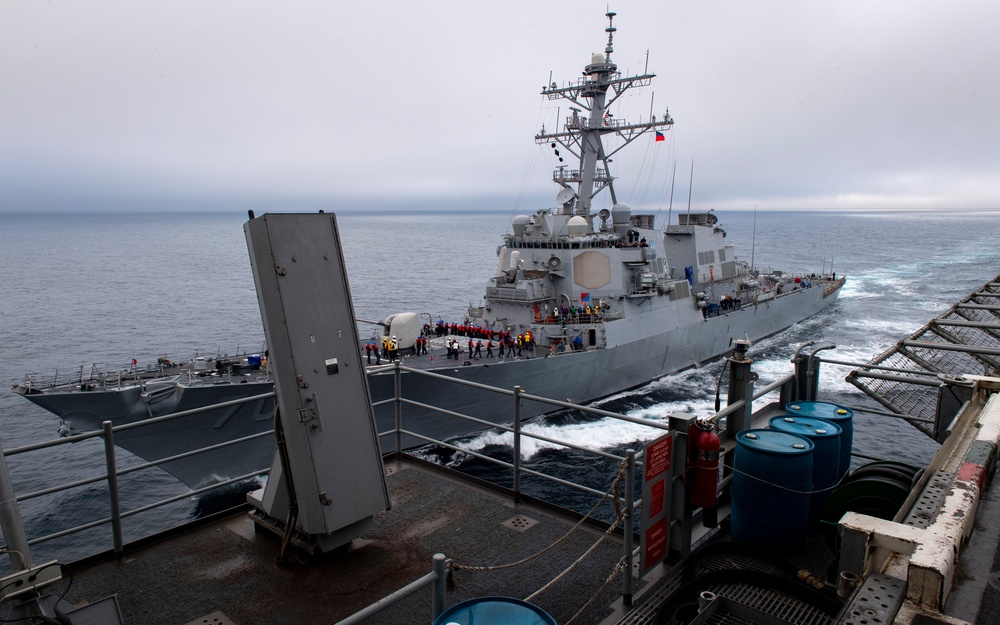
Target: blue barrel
(844, 417)
(825, 435)
(494, 611)
(772, 481)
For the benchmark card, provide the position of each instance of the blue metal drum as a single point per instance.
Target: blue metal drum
(825, 435)
(772, 482)
(844, 417)
(494, 611)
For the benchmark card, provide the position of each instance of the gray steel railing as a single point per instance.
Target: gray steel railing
(632, 459)
(107, 433)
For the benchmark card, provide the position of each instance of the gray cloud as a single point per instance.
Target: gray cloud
(779, 104)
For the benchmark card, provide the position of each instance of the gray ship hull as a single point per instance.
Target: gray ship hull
(577, 377)
(85, 411)
(580, 377)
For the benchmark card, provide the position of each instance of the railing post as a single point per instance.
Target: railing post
(628, 526)
(681, 527)
(398, 386)
(517, 444)
(11, 523)
(812, 376)
(112, 465)
(741, 383)
(440, 568)
(786, 391)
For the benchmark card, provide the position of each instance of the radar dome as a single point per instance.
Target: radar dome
(596, 58)
(520, 224)
(620, 213)
(577, 226)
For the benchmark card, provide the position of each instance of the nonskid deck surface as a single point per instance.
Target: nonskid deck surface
(226, 571)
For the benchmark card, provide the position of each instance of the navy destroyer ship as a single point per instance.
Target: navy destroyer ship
(600, 299)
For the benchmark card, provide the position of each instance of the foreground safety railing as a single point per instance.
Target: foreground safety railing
(113, 472)
(736, 415)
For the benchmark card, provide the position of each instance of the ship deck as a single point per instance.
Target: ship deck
(437, 353)
(225, 572)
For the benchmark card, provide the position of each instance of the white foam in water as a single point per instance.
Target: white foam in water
(604, 433)
(684, 383)
(874, 326)
(601, 434)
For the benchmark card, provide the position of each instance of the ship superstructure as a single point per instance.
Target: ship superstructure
(577, 278)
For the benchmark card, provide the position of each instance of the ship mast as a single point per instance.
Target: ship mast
(582, 133)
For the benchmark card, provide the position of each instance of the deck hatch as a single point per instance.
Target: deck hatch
(215, 618)
(520, 523)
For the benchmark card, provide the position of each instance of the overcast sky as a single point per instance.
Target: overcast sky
(199, 104)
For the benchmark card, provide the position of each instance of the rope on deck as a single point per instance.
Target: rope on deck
(616, 499)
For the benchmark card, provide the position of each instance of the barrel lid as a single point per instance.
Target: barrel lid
(823, 409)
(811, 427)
(494, 610)
(774, 441)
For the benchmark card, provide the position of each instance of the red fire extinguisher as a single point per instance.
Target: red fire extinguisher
(705, 476)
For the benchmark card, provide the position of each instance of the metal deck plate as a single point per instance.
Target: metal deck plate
(929, 503)
(877, 601)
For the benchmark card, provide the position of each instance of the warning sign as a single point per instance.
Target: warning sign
(655, 544)
(654, 534)
(658, 456)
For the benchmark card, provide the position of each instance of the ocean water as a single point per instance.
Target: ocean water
(104, 288)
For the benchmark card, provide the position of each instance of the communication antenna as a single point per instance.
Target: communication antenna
(690, 184)
(670, 207)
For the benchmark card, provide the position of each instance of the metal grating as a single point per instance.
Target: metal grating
(723, 611)
(727, 561)
(737, 602)
(973, 323)
(815, 555)
(650, 604)
(775, 604)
